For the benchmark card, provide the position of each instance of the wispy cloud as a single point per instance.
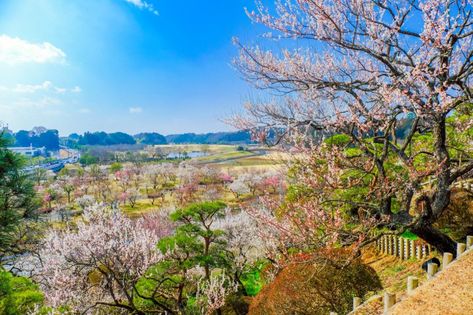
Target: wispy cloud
(14, 50)
(143, 5)
(135, 110)
(84, 110)
(32, 104)
(45, 86)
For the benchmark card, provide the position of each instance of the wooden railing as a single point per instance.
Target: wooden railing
(402, 247)
(405, 252)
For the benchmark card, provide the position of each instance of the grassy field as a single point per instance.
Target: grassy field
(210, 148)
(222, 156)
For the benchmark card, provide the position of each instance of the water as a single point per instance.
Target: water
(193, 154)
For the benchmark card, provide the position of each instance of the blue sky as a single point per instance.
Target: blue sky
(121, 65)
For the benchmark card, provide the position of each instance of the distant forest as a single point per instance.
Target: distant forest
(43, 137)
(49, 138)
(37, 137)
(150, 138)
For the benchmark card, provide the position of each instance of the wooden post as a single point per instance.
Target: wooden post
(419, 252)
(412, 283)
(461, 247)
(356, 302)
(447, 258)
(390, 246)
(385, 244)
(413, 249)
(389, 301)
(431, 270)
(406, 248)
(469, 241)
(393, 247)
(401, 248)
(396, 250)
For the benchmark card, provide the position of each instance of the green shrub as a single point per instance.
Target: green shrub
(17, 294)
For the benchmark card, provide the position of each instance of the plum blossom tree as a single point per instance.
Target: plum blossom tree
(187, 173)
(85, 201)
(67, 184)
(245, 244)
(252, 180)
(225, 178)
(132, 195)
(51, 194)
(239, 187)
(272, 183)
(375, 62)
(158, 176)
(97, 265)
(211, 294)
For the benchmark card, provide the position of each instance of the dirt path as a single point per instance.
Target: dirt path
(450, 292)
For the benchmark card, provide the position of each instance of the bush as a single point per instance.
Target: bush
(18, 295)
(88, 159)
(115, 167)
(321, 288)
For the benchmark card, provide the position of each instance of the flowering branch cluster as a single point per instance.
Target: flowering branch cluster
(99, 263)
(377, 66)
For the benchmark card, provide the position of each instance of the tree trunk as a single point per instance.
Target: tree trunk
(442, 242)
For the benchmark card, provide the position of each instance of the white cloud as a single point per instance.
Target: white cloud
(76, 89)
(45, 86)
(135, 110)
(143, 5)
(84, 110)
(31, 88)
(42, 103)
(14, 50)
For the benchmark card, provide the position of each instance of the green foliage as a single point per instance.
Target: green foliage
(198, 212)
(194, 244)
(17, 196)
(115, 167)
(338, 140)
(46, 138)
(296, 192)
(88, 159)
(252, 280)
(409, 235)
(103, 138)
(17, 294)
(150, 138)
(195, 234)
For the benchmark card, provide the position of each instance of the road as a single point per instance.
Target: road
(57, 165)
